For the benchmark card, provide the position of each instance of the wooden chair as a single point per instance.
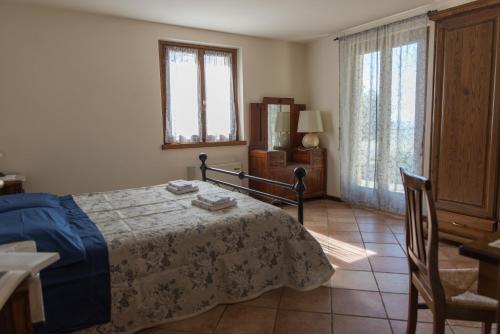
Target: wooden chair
(448, 293)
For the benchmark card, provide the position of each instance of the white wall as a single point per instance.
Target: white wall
(80, 106)
(323, 90)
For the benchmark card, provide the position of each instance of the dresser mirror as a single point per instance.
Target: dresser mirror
(273, 124)
(278, 120)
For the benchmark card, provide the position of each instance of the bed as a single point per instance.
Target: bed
(169, 260)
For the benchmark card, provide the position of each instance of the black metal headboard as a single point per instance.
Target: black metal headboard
(299, 186)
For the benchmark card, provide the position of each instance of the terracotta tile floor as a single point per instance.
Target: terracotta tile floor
(367, 294)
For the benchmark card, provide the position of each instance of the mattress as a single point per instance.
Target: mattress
(170, 260)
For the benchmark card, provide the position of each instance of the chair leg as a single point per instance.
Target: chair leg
(438, 324)
(411, 327)
(486, 328)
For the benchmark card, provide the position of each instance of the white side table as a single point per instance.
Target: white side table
(21, 300)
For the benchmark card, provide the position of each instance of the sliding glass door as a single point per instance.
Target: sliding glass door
(382, 79)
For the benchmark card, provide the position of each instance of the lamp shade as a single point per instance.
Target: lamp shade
(283, 122)
(310, 121)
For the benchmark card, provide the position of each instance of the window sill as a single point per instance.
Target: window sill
(210, 144)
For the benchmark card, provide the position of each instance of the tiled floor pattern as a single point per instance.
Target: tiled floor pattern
(367, 293)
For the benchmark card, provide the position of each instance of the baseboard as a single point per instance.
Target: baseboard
(334, 198)
(327, 197)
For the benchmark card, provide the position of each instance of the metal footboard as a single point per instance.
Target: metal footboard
(299, 186)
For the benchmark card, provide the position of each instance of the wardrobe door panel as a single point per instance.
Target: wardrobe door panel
(465, 148)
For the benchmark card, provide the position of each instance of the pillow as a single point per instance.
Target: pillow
(28, 200)
(48, 227)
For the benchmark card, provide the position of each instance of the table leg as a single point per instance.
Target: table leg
(498, 298)
(488, 279)
(489, 284)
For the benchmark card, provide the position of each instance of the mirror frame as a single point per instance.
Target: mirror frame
(259, 126)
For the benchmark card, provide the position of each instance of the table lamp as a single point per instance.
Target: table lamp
(310, 122)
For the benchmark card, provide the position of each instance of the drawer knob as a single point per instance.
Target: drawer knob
(457, 224)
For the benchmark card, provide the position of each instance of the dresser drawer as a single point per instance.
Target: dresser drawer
(276, 159)
(464, 226)
(317, 157)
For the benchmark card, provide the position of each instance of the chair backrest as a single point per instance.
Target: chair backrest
(422, 246)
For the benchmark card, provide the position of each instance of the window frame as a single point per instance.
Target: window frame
(162, 46)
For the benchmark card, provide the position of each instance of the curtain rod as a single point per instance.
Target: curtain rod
(435, 5)
(385, 24)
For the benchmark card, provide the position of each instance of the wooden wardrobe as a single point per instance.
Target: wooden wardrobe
(465, 146)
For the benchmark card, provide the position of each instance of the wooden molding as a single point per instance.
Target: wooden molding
(278, 100)
(334, 198)
(465, 8)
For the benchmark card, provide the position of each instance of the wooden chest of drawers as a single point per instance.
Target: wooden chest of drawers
(279, 166)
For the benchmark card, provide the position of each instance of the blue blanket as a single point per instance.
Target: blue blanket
(78, 295)
(40, 217)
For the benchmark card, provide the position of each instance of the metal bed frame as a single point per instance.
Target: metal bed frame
(299, 186)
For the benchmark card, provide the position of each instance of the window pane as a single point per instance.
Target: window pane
(403, 105)
(401, 112)
(370, 81)
(220, 115)
(183, 121)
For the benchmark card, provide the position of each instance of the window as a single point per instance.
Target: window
(199, 95)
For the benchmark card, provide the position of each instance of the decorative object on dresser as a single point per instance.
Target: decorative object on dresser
(465, 146)
(11, 184)
(310, 122)
(269, 160)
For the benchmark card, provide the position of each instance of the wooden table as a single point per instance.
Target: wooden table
(10, 187)
(489, 266)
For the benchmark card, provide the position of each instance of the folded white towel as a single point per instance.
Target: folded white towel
(181, 184)
(181, 191)
(214, 199)
(209, 207)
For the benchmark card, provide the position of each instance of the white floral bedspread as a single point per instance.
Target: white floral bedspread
(170, 260)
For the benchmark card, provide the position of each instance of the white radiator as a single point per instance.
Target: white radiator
(194, 172)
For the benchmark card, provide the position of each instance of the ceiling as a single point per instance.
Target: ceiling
(296, 20)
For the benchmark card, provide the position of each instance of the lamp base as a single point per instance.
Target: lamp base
(310, 140)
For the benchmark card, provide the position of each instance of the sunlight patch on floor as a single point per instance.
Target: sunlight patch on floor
(340, 250)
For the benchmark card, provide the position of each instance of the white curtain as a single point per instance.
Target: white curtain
(183, 96)
(219, 92)
(382, 107)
